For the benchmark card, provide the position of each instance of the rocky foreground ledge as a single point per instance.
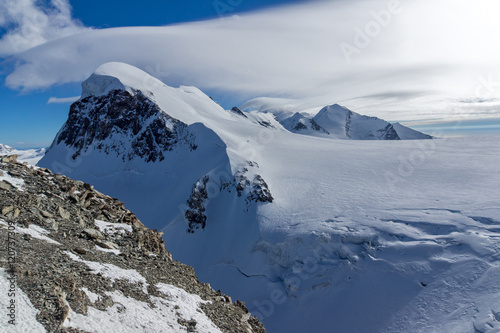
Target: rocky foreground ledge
(81, 262)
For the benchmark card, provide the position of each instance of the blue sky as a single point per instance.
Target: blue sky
(400, 60)
(115, 13)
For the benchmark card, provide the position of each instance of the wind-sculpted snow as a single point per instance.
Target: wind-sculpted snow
(315, 234)
(409, 270)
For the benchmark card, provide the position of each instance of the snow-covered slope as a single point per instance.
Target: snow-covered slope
(314, 234)
(406, 133)
(31, 156)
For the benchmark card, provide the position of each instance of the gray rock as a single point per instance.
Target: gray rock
(80, 250)
(14, 173)
(46, 214)
(9, 158)
(93, 233)
(35, 211)
(63, 213)
(5, 186)
(107, 244)
(7, 209)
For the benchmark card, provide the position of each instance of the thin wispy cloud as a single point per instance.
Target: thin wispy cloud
(63, 100)
(397, 59)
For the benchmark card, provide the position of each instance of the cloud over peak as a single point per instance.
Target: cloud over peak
(404, 58)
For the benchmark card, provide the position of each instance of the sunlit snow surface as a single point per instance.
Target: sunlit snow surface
(33, 230)
(112, 228)
(365, 237)
(111, 271)
(362, 236)
(25, 312)
(131, 315)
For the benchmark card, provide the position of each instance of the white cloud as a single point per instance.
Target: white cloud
(64, 100)
(28, 24)
(418, 63)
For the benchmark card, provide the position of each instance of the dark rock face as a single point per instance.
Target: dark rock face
(97, 120)
(389, 133)
(253, 191)
(316, 127)
(55, 283)
(266, 124)
(237, 111)
(300, 126)
(260, 191)
(348, 123)
(195, 215)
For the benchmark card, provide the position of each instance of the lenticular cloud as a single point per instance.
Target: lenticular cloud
(376, 57)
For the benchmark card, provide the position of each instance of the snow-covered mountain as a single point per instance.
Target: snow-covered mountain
(314, 234)
(338, 122)
(30, 156)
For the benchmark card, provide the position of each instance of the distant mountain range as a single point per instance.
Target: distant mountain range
(336, 122)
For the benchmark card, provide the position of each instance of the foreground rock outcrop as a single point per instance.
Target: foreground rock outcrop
(87, 264)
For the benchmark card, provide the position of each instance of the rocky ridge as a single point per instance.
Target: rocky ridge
(101, 121)
(68, 237)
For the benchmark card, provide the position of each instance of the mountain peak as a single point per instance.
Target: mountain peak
(333, 111)
(333, 108)
(118, 76)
